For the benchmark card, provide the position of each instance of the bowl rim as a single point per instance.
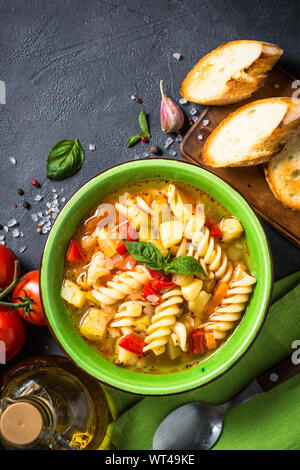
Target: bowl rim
(130, 389)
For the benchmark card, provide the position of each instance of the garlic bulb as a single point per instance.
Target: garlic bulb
(171, 116)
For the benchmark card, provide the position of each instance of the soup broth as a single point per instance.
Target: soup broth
(157, 276)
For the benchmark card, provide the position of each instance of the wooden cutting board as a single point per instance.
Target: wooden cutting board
(249, 181)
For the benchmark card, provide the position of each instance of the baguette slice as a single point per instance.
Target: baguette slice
(283, 173)
(231, 73)
(252, 134)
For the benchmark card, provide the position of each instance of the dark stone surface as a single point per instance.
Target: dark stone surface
(94, 55)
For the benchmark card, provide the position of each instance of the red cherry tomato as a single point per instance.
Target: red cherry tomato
(133, 343)
(12, 332)
(30, 286)
(7, 266)
(74, 253)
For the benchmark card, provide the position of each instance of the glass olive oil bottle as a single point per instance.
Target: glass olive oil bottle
(47, 402)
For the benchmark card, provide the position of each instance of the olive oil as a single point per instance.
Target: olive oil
(47, 402)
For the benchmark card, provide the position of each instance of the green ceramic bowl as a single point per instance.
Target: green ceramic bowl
(52, 267)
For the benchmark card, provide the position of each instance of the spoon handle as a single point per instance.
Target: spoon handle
(279, 373)
(265, 382)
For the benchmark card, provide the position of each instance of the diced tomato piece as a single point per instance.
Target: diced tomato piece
(132, 234)
(121, 248)
(126, 264)
(151, 294)
(74, 253)
(159, 284)
(213, 228)
(126, 231)
(160, 275)
(133, 343)
(197, 341)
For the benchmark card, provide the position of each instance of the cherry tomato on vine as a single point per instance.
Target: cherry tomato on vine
(29, 288)
(12, 331)
(7, 266)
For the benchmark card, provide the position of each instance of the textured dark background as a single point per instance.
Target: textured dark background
(94, 54)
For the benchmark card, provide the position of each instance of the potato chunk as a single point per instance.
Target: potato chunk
(125, 357)
(231, 229)
(106, 243)
(171, 233)
(72, 294)
(93, 325)
(192, 290)
(198, 305)
(182, 279)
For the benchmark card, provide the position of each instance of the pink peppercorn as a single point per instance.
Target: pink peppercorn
(34, 182)
(144, 139)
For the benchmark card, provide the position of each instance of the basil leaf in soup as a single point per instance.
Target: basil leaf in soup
(65, 159)
(183, 265)
(146, 253)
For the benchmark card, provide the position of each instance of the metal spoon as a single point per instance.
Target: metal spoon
(198, 425)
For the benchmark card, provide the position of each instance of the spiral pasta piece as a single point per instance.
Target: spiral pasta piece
(213, 259)
(232, 306)
(163, 321)
(179, 336)
(122, 285)
(127, 313)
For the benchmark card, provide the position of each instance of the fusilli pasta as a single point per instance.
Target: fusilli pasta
(127, 312)
(179, 336)
(122, 285)
(232, 306)
(163, 321)
(211, 256)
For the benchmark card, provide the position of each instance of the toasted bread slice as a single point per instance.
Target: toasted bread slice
(231, 73)
(252, 134)
(283, 173)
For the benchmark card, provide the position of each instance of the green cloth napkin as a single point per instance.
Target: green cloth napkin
(270, 421)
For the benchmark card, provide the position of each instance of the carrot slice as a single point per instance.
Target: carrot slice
(210, 341)
(219, 294)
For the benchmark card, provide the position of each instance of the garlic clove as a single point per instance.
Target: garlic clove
(171, 115)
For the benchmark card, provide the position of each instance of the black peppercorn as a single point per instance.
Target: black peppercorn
(26, 205)
(139, 100)
(155, 150)
(20, 191)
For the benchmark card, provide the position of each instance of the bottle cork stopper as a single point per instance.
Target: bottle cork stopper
(21, 423)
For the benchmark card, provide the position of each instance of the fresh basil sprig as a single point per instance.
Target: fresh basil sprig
(149, 255)
(133, 140)
(145, 130)
(64, 159)
(144, 124)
